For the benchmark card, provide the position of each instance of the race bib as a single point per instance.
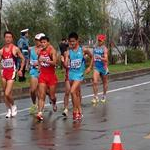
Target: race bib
(43, 62)
(75, 64)
(97, 58)
(32, 62)
(8, 63)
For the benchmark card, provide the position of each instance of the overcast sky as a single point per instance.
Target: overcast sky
(119, 9)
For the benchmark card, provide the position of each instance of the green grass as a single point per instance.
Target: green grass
(122, 68)
(112, 69)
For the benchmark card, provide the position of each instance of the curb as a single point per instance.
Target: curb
(21, 93)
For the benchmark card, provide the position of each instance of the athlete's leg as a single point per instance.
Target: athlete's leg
(67, 92)
(8, 105)
(80, 98)
(66, 98)
(52, 94)
(105, 86)
(12, 109)
(8, 93)
(47, 93)
(4, 83)
(41, 96)
(33, 89)
(34, 94)
(79, 103)
(75, 97)
(96, 77)
(71, 83)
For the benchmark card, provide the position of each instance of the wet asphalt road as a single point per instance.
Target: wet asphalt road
(127, 110)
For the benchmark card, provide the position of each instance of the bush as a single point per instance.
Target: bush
(135, 56)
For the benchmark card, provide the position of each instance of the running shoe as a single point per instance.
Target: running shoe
(103, 99)
(95, 100)
(13, 110)
(80, 116)
(65, 112)
(75, 116)
(33, 109)
(8, 115)
(40, 116)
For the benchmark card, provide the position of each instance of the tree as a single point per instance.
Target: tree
(146, 24)
(136, 39)
(35, 15)
(83, 16)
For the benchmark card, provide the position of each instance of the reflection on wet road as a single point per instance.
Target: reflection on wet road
(127, 110)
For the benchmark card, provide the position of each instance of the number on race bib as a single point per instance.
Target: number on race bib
(75, 64)
(97, 58)
(8, 63)
(44, 63)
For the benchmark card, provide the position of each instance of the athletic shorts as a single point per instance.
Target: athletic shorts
(48, 78)
(34, 73)
(8, 75)
(102, 71)
(76, 76)
(25, 54)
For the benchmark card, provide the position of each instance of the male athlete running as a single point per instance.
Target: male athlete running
(75, 59)
(47, 77)
(8, 55)
(100, 56)
(34, 71)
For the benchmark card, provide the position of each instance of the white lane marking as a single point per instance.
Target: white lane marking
(110, 91)
(120, 89)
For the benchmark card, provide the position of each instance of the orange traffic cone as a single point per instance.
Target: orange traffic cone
(117, 145)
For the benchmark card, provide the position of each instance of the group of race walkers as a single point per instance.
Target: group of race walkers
(43, 81)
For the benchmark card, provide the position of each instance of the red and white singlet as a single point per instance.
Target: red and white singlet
(8, 63)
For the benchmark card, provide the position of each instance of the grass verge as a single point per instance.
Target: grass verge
(112, 69)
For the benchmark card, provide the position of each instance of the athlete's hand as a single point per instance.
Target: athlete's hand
(35, 64)
(88, 70)
(20, 73)
(62, 58)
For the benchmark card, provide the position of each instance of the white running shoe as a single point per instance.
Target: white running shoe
(13, 110)
(39, 116)
(8, 115)
(103, 99)
(95, 100)
(65, 112)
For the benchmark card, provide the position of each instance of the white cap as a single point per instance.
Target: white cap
(38, 36)
(24, 30)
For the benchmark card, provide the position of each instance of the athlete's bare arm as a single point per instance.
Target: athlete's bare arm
(19, 54)
(54, 57)
(63, 59)
(105, 58)
(86, 51)
(39, 64)
(66, 58)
